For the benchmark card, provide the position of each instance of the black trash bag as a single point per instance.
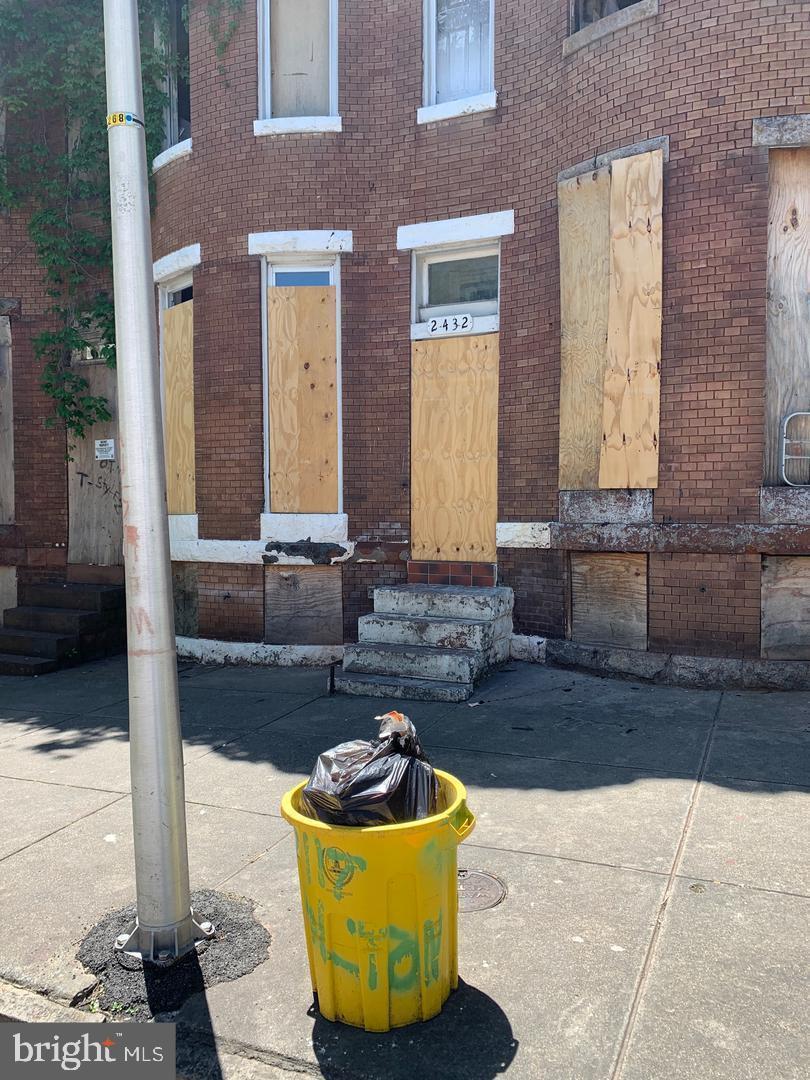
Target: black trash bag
(382, 781)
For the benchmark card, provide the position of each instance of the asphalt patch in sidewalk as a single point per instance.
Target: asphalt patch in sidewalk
(130, 989)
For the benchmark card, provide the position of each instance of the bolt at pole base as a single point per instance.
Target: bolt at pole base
(165, 944)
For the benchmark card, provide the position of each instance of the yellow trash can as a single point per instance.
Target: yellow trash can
(380, 909)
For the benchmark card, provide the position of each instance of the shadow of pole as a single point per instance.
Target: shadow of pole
(196, 1050)
(470, 1039)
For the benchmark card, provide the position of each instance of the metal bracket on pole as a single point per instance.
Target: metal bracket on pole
(163, 944)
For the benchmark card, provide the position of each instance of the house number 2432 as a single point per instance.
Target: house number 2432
(450, 324)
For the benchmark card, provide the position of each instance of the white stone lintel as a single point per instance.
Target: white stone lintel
(183, 527)
(300, 242)
(297, 125)
(243, 552)
(523, 534)
(172, 153)
(175, 263)
(212, 651)
(478, 103)
(431, 234)
(320, 528)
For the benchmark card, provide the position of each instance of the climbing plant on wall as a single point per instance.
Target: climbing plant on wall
(54, 169)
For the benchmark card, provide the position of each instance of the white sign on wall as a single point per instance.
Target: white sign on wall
(450, 324)
(105, 449)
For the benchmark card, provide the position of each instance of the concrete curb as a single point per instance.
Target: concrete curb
(25, 1007)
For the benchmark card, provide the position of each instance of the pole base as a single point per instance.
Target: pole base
(164, 944)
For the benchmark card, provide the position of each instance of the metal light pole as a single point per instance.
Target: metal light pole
(165, 927)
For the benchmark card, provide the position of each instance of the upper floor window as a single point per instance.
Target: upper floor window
(298, 58)
(585, 12)
(458, 49)
(178, 108)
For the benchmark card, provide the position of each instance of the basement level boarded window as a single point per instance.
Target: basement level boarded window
(586, 12)
(458, 49)
(461, 282)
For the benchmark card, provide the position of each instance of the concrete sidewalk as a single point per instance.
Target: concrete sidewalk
(654, 842)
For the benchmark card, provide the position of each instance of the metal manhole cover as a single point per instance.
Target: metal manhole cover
(479, 890)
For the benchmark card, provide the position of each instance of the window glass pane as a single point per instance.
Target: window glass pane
(462, 48)
(299, 57)
(179, 120)
(301, 277)
(591, 11)
(181, 296)
(462, 281)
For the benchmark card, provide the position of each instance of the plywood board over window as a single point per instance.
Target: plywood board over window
(178, 407)
(454, 448)
(6, 426)
(303, 605)
(787, 386)
(630, 413)
(609, 599)
(95, 533)
(303, 402)
(786, 607)
(584, 209)
(299, 57)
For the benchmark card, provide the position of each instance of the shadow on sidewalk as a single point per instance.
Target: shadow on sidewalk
(471, 1039)
(196, 1055)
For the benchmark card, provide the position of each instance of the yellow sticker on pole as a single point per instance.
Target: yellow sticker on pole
(125, 119)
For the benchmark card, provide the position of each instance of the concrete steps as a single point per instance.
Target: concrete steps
(57, 624)
(428, 642)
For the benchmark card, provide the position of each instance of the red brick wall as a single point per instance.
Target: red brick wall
(706, 605)
(231, 602)
(697, 73)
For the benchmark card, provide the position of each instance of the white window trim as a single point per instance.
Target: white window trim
(175, 264)
(300, 242)
(172, 153)
(484, 323)
(266, 123)
(480, 103)
(462, 230)
(281, 259)
(429, 64)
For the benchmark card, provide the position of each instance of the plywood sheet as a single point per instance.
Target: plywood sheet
(629, 453)
(6, 426)
(454, 448)
(786, 607)
(609, 599)
(303, 605)
(787, 387)
(178, 407)
(299, 57)
(8, 589)
(584, 221)
(94, 487)
(186, 593)
(303, 406)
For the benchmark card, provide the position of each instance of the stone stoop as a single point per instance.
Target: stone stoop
(428, 642)
(59, 625)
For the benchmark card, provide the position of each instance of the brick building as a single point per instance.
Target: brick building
(465, 291)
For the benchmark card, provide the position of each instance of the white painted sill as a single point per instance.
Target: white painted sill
(482, 324)
(320, 528)
(174, 153)
(297, 125)
(480, 103)
(646, 9)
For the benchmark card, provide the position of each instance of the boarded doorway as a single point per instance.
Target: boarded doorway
(454, 448)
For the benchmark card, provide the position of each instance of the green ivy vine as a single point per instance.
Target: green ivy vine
(54, 171)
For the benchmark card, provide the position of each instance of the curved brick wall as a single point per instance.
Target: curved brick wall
(696, 73)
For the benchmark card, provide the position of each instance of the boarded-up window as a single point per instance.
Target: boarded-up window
(303, 605)
(786, 607)
(787, 386)
(6, 426)
(300, 58)
(609, 599)
(610, 305)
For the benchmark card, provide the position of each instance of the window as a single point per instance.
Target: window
(300, 276)
(585, 12)
(178, 109)
(457, 283)
(458, 49)
(298, 58)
